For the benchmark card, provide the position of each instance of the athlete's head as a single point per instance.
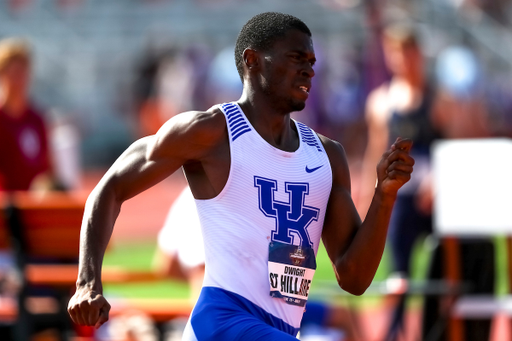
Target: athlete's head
(275, 56)
(262, 31)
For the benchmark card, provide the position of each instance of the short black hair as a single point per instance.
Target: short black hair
(262, 31)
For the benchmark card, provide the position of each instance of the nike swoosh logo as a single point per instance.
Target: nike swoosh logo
(311, 170)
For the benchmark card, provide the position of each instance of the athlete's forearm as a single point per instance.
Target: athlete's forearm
(375, 227)
(101, 211)
(359, 263)
(88, 306)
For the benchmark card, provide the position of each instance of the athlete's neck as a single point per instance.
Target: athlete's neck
(273, 125)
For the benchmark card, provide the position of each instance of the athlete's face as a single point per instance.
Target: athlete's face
(287, 71)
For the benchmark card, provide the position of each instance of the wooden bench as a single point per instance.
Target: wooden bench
(51, 232)
(40, 229)
(51, 222)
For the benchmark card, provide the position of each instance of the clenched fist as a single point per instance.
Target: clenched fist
(88, 308)
(395, 167)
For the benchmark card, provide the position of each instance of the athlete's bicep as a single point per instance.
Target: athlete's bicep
(135, 170)
(341, 223)
(151, 159)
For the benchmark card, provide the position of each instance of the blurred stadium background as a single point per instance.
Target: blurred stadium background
(97, 64)
(89, 53)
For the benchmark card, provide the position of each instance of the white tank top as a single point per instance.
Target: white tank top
(270, 195)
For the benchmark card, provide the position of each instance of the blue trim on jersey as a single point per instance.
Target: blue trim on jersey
(236, 121)
(223, 315)
(308, 137)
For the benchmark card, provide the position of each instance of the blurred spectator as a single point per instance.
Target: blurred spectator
(169, 81)
(64, 142)
(339, 102)
(401, 107)
(223, 81)
(410, 106)
(160, 95)
(473, 9)
(180, 252)
(25, 161)
(460, 112)
(16, 5)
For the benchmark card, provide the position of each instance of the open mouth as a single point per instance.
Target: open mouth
(305, 89)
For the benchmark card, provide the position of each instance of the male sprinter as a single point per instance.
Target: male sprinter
(267, 188)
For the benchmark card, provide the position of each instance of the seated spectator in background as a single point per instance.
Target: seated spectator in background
(25, 162)
(24, 151)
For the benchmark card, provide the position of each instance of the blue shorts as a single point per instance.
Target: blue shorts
(316, 314)
(222, 315)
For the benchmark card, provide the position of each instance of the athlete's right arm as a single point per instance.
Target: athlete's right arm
(186, 137)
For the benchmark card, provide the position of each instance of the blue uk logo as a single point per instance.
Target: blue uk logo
(292, 217)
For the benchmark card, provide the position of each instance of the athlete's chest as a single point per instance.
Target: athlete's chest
(286, 194)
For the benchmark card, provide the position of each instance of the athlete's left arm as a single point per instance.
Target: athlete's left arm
(354, 247)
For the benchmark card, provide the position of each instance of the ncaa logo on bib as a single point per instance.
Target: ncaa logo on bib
(292, 217)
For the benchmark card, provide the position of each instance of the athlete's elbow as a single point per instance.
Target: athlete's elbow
(356, 289)
(105, 194)
(352, 280)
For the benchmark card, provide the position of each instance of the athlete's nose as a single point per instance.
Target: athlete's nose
(308, 71)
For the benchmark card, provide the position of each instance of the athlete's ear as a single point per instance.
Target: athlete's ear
(251, 58)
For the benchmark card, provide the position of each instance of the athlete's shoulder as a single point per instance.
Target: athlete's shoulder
(332, 147)
(337, 158)
(192, 132)
(196, 124)
(212, 116)
(208, 124)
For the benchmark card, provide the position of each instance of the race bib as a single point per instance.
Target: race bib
(291, 269)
